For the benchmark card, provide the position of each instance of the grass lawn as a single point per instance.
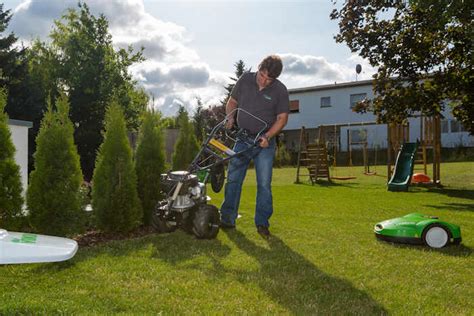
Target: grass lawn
(323, 258)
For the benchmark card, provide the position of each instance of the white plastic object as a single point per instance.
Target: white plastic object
(16, 248)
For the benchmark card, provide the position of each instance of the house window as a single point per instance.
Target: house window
(456, 127)
(294, 106)
(325, 102)
(358, 135)
(444, 126)
(356, 98)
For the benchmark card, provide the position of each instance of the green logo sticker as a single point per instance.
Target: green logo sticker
(26, 239)
(266, 96)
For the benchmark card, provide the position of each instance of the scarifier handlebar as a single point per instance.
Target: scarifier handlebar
(216, 149)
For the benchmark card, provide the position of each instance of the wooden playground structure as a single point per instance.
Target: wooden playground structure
(429, 145)
(314, 155)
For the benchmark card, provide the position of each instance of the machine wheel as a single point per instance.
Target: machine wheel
(436, 236)
(206, 222)
(161, 225)
(217, 177)
(188, 224)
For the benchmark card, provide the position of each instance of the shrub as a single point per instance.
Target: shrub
(282, 156)
(115, 200)
(11, 199)
(150, 163)
(54, 198)
(186, 146)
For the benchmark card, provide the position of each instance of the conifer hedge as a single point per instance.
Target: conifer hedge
(186, 146)
(150, 163)
(11, 199)
(54, 198)
(114, 184)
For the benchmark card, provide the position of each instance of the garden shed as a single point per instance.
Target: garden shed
(19, 130)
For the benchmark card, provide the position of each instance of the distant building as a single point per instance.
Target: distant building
(171, 137)
(19, 131)
(331, 104)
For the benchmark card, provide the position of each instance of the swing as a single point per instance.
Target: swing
(334, 164)
(367, 171)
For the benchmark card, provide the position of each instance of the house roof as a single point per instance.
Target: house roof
(332, 86)
(20, 123)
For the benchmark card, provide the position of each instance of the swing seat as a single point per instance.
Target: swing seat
(372, 173)
(344, 178)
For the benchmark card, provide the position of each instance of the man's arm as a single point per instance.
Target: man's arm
(229, 107)
(280, 122)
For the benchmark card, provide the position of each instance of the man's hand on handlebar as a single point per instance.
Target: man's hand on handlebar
(229, 124)
(264, 141)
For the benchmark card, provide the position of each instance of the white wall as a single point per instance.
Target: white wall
(20, 141)
(376, 136)
(452, 138)
(311, 115)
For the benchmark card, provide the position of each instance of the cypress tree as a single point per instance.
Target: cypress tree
(186, 146)
(11, 200)
(150, 163)
(53, 197)
(114, 190)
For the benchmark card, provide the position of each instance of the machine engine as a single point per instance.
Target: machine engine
(185, 206)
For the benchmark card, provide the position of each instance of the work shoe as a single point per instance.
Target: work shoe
(226, 226)
(263, 231)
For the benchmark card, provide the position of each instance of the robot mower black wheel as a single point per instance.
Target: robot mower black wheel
(206, 222)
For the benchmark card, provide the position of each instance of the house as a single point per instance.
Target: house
(331, 105)
(19, 131)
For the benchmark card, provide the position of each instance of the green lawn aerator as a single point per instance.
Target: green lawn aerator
(417, 228)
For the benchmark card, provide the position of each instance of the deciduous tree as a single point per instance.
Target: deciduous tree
(423, 50)
(94, 73)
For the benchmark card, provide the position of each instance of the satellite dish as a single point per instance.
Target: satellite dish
(358, 68)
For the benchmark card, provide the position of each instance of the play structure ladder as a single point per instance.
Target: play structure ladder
(313, 157)
(421, 159)
(319, 167)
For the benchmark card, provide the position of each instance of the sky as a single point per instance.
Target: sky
(191, 46)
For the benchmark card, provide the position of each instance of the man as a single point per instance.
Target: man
(262, 95)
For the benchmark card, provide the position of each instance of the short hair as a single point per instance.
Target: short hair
(273, 65)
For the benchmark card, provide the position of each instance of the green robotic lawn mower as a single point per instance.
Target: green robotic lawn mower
(418, 228)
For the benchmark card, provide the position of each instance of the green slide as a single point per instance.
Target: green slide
(403, 168)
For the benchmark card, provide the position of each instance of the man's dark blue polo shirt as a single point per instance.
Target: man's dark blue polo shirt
(265, 104)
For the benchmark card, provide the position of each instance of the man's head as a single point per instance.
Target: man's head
(272, 65)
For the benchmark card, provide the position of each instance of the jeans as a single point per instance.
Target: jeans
(263, 161)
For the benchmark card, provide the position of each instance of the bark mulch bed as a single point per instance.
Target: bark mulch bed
(95, 237)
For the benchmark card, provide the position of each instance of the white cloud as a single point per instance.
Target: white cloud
(307, 70)
(173, 72)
